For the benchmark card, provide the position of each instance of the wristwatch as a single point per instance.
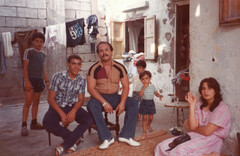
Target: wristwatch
(104, 104)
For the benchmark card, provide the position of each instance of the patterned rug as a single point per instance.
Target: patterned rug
(148, 144)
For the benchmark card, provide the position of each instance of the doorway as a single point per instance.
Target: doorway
(182, 50)
(135, 35)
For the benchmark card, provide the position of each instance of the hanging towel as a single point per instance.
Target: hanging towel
(3, 67)
(7, 38)
(51, 36)
(24, 40)
(75, 32)
(62, 34)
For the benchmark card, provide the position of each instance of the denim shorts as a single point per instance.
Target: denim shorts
(37, 84)
(147, 107)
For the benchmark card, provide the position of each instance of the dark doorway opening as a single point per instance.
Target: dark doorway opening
(182, 50)
(135, 35)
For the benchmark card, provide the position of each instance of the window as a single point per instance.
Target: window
(145, 41)
(229, 12)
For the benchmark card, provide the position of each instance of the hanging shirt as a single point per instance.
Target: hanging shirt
(24, 40)
(55, 34)
(75, 33)
(51, 36)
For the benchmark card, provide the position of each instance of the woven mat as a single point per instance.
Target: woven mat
(148, 144)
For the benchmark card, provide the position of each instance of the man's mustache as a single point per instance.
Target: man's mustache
(105, 55)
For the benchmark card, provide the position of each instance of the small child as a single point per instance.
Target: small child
(141, 66)
(35, 79)
(147, 106)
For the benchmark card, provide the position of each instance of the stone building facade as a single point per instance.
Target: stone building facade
(23, 15)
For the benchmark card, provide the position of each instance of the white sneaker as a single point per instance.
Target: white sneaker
(129, 141)
(106, 144)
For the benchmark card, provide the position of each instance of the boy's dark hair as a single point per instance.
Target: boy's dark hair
(111, 48)
(69, 59)
(212, 83)
(38, 35)
(146, 72)
(141, 63)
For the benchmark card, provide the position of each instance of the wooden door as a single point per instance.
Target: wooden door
(150, 37)
(118, 38)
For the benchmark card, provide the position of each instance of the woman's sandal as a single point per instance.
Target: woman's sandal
(72, 149)
(59, 150)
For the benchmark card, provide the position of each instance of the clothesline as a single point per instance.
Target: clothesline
(69, 34)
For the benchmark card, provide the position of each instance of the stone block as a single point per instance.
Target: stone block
(86, 6)
(83, 14)
(12, 30)
(2, 2)
(27, 12)
(102, 31)
(36, 4)
(2, 21)
(70, 51)
(101, 23)
(72, 5)
(21, 3)
(8, 11)
(86, 65)
(90, 57)
(42, 14)
(81, 49)
(16, 22)
(70, 13)
(36, 23)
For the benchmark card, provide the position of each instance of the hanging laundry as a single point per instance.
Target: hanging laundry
(3, 67)
(7, 38)
(51, 36)
(62, 34)
(55, 34)
(92, 21)
(24, 40)
(75, 33)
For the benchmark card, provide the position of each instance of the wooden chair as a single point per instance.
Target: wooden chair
(112, 126)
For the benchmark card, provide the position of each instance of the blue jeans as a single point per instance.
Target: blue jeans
(130, 120)
(51, 123)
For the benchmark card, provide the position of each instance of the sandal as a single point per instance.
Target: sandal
(59, 150)
(72, 149)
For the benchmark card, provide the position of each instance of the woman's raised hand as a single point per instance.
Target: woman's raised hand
(191, 99)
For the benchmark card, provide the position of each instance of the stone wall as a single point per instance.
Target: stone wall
(20, 15)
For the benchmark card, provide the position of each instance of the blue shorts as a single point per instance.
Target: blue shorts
(37, 84)
(147, 107)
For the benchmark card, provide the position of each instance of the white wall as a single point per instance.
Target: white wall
(162, 70)
(208, 40)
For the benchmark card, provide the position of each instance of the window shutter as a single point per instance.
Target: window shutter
(150, 37)
(229, 12)
(118, 38)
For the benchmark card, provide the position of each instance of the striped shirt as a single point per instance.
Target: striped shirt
(67, 90)
(35, 62)
(201, 144)
(107, 83)
(148, 92)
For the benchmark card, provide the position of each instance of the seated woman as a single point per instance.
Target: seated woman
(209, 123)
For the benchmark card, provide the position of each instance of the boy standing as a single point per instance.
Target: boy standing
(141, 66)
(34, 77)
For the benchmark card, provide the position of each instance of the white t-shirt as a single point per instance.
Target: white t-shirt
(136, 82)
